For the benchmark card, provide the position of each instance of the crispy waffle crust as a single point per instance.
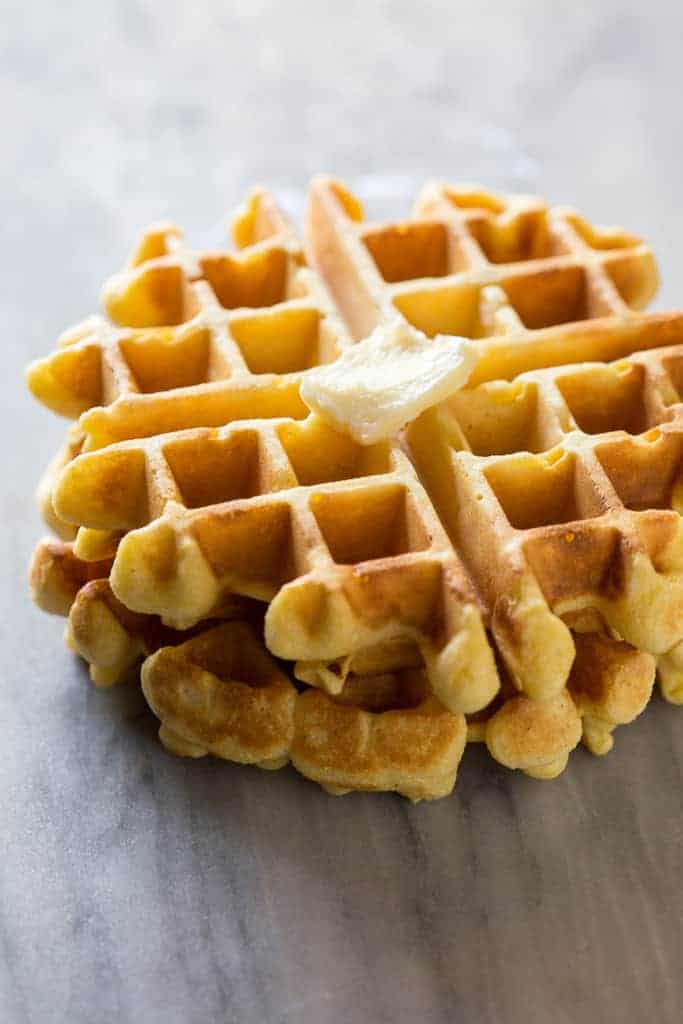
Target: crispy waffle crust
(221, 693)
(109, 637)
(580, 519)
(349, 552)
(536, 286)
(191, 339)
(609, 685)
(530, 520)
(559, 488)
(380, 731)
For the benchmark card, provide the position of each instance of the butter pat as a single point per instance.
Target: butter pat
(385, 381)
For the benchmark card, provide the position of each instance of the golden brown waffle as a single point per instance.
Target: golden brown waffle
(534, 285)
(535, 736)
(109, 637)
(339, 537)
(561, 491)
(609, 685)
(193, 339)
(71, 447)
(221, 693)
(610, 682)
(197, 468)
(56, 575)
(670, 674)
(378, 731)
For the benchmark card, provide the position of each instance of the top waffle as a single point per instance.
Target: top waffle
(586, 533)
(562, 490)
(196, 338)
(342, 539)
(192, 339)
(534, 285)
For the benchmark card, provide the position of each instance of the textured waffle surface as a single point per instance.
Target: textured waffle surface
(562, 491)
(190, 339)
(221, 693)
(377, 731)
(609, 685)
(339, 538)
(534, 285)
(514, 556)
(188, 335)
(109, 637)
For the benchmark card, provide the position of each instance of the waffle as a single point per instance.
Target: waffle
(609, 685)
(533, 736)
(110, 638)
(534, 286)
(56, 575)
(338, 537)
(195, 339)
(526, 528)
(610, 682)
(192, 339)
(165, 284)
(561, 491)
(70, 448)
(512, 466)
(221, 693)
(384, 732)
(670, 674)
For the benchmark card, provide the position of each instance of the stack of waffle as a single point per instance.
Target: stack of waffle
(507, 568)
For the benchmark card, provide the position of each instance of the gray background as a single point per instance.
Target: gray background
(136, 887)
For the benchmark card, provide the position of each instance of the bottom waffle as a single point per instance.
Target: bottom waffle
(610, 684)
(222, 693)
(217, 690)
(110, 638)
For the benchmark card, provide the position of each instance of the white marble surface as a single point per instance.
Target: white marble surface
(138, 888)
